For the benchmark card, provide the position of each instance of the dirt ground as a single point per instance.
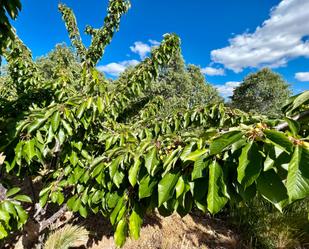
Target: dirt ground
(174, 232)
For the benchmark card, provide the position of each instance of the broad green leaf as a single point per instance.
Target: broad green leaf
(4, 215)
(293, 125)
(80, 110)
(223, 141)
(9, 207)
(22, 215)
(118, 178)
(73, 158)
(133, 172)
(166, 186)
(146, 186)
(36, 124)
(151, 161)
(250, 164)
(199, 168)
(300, 100)
(135, 222)
(23, 198)
(67, 127)
(12, 191)
(83, 211)
(217, 196)
(100, 104)
(180, 186)
(298, 174)
(113, 167)
(116, 210)
(193, 156)
(170, 157)
(121, 232)
(279, 139)
(187, 150)
(29, 149)
(55, 121)
(270, 186)
(3, 232)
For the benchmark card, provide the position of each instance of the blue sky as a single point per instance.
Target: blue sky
(228, 39)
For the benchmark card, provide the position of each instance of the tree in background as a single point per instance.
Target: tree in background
(203, 93)
(179, 85)
(263, 92)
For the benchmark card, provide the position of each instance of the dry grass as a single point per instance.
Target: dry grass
(67, 236)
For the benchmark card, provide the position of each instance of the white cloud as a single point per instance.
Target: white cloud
(212, 71)
(154, 42)
(227, 89)
(114, 69)
(142, 49)
(282, 37)
(302, 76)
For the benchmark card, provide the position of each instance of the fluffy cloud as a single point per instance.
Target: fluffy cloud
(212, 71)
(227, 89)
(114, 69)
(142, 49)
(302, 76)
(282, 37)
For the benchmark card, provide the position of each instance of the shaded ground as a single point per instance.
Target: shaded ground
(174, 232)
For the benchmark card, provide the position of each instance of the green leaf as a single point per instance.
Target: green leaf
(80, 110)
(166, 186)
(220, 143)
(116, 210)
(29, 149)
(113, 167)
(133, 172)
(270, 186)
(9, 207)
(293, 125)
(36, 124)
(73, 158)
(67, 127)
(300, 100)
(146, 186)
(3, 232)
(279, 139)
(4, 215)
(100, 104)
(151, 161)
(170, 157)
(23, 198)
(83, 211)
(43, 199)
(22, 215)
(298, 174)
(55, 121)
(193, 156)
(180, 186)
(76, 204)
(250, 164)
(187, 150)
(121, 233)
(217, 195)
(135, 222)
(199, 168)
(12, 191)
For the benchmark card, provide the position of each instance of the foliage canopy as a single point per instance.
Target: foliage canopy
(74, 137)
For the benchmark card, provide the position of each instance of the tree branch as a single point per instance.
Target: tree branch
(298, 117)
